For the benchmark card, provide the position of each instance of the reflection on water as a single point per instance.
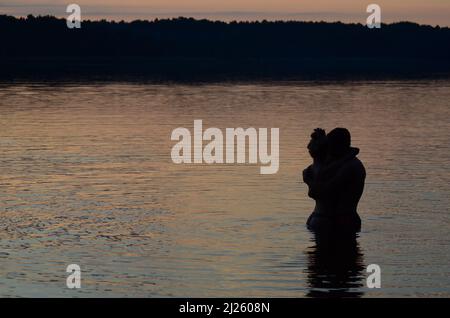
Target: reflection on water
(335, 266)
(86, 177)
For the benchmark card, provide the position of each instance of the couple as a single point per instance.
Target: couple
(335, 180)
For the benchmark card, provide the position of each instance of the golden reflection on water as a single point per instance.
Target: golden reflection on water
(87, 178)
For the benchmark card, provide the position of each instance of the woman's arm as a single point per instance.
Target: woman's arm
(308, 175)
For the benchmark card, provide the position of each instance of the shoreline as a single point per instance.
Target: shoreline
(210, 69)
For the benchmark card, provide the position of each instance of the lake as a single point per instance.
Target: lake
(86, 178)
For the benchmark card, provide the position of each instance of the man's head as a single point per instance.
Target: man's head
(339, 141)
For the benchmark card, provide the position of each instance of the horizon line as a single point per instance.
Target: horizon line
(148, 12)
(155, 19)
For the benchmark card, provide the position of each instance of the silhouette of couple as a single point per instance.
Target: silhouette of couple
(335, 180)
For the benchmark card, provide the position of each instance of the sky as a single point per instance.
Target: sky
(434, 12)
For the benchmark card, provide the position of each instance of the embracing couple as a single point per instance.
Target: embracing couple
(335, 180)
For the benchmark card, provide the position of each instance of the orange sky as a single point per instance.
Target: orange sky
(422, 11)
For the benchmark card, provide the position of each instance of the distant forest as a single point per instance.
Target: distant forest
(244, 46)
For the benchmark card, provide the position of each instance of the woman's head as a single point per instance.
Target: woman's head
(317, 146)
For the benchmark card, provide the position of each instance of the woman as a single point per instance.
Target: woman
(317, 147)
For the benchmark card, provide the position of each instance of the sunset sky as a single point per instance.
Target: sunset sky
(422, 11)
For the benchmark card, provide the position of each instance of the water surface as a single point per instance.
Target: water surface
(86, 177)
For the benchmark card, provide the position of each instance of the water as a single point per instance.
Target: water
(86, 177)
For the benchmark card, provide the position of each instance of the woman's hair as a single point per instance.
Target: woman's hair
(318, 145)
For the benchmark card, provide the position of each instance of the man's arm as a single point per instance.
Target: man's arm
(323, 186)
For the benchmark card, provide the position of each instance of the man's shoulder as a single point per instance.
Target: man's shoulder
(354, 164)
(357, 164)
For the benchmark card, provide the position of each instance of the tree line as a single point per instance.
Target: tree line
(48, 36)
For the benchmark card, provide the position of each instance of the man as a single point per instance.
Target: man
(337, 186)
